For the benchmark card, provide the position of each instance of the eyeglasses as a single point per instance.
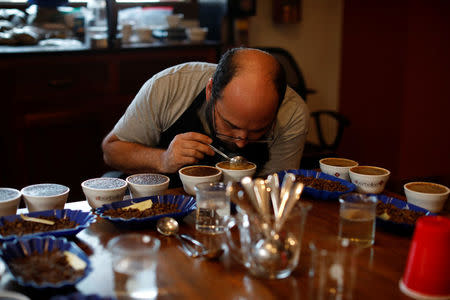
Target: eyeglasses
(229, 138)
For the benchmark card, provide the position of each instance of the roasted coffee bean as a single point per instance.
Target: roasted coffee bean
(156, 209)
(21, 227)
(49, 266)
(398, 215)
(322, 184)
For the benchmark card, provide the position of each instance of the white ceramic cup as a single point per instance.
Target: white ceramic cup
(147, 184)
(369, 179)
(337, 167)
(104, 190)
(431, 196)
(45, 196)
(9, 201)
(189, 177)
(235, 175)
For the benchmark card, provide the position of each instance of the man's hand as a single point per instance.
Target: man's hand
(185, 149)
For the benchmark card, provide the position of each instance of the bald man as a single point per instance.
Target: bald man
(242, 106)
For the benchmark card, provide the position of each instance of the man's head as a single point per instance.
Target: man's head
(244, 95)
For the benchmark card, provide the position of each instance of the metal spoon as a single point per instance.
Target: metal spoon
(169, 227)
(236, 160)
(220, 152)
(210, 254)
(240, 198)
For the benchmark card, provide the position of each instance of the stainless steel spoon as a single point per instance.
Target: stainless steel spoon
(236, 160)
(210, 254)
(169, 227)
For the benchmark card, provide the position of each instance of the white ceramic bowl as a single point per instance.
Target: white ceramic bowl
(431, 196)
(45, 196)
(337, 167)
(143, 185)
(174, 20)
(9, 201)
(191, 175)
(233, 174)
(197, 34)
(104, 190)
(369, 179)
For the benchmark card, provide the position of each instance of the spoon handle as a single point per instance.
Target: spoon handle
(189, 251)
(193, 241)
(219, 152)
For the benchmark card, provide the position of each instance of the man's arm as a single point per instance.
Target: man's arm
(187, 148)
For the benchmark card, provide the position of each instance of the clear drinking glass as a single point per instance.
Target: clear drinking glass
(213, 206)
(333, 269)
(357, 218)
(134, 261)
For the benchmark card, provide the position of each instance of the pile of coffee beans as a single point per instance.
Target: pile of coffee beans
(398, 215)
(322, 184)
(156, 209)
(49, 266)
(20, 227)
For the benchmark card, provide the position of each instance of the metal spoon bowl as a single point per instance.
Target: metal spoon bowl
(169, 227)
(238, 160)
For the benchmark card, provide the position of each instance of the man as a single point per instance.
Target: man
(245, 110)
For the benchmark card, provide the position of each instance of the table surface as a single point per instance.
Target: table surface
(380, 267)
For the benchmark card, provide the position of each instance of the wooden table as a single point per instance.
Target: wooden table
(180, 277)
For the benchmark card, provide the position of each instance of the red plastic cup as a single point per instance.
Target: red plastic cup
(427, 272)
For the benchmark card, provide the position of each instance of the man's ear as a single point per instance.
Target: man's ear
(208, 90)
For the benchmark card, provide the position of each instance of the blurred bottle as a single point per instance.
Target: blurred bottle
(96, 23)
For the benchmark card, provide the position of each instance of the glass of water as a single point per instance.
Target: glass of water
(357, 218)
(134, 260)
(213, 207)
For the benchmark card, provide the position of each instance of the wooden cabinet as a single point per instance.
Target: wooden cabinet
(56, 108)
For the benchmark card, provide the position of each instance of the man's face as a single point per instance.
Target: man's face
(245, 113)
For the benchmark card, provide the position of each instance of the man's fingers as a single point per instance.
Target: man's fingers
(196, 141)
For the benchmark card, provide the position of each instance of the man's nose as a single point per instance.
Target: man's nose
(242, 135)
(241, 143)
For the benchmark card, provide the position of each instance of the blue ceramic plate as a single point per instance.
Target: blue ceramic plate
(84, 219)
(25, 246)
(186, 204)
(402, 228)
(319, 194)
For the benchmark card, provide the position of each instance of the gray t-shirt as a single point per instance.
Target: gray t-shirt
(165, 97)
